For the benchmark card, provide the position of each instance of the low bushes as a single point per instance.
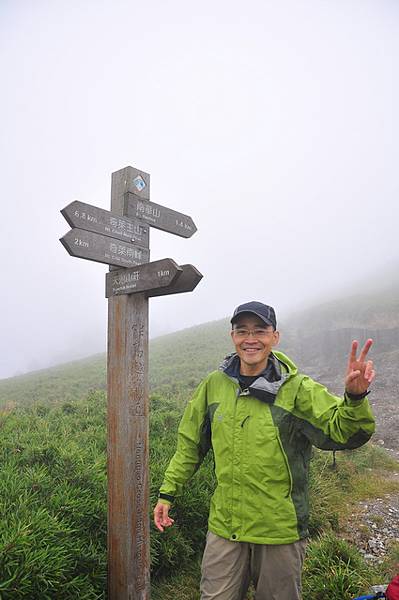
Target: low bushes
(53, 506)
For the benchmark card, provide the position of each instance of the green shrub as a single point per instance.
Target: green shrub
(53, 504)
(324, 497)
(335, 570)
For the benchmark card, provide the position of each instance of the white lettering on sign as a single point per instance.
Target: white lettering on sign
(164, 273)
(151, 211)
(125, 228)
(85, 216)
(123, 288)
(79, 242)
(121, 250)
(183, 224)
(134, 253)
(125, 278)
(148, 212)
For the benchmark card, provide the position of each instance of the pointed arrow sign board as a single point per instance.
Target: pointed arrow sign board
(159, 216)
(151, 276)
(186, 282)
(91, 218)
(101, 248)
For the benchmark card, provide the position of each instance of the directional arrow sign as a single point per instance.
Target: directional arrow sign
(151, 276)
(92, 218)
(159, 216)
(101, 248)
(186, 282)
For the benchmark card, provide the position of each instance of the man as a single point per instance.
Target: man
(261, 418)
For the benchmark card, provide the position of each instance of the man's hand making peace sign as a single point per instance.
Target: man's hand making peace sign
(360, 372)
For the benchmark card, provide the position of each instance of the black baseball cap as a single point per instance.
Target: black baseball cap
(263, 311)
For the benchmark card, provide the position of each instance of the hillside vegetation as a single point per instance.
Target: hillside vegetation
(53, 508)
(53, 453)
(178, 361)
(318, 339)
(68, 381)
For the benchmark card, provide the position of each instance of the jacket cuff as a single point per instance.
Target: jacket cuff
(356, 399)
(166, 498)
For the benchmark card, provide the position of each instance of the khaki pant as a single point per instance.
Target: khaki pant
(228, 567)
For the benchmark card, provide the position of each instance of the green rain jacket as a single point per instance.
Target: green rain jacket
(262, 448)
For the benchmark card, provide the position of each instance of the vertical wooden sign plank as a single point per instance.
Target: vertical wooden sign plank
(128, 439)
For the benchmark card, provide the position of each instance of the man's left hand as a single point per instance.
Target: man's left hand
(360, 372)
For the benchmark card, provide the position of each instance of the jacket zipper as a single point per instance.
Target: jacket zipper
(232, 464)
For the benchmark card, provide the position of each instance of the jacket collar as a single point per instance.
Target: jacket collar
(268, 383)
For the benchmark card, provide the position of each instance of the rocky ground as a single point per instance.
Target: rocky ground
(374, 527)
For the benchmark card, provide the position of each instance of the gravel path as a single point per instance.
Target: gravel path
(374, 526)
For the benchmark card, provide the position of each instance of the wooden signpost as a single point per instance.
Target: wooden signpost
(121, 238)
(154, 276)
(102, 248)
(186, 282)
(159, 216)
(98, 220)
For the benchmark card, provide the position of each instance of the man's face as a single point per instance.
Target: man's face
(253, 341)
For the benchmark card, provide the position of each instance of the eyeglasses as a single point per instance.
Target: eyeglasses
(257, 333)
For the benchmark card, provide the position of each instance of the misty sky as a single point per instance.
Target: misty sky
(273, 124)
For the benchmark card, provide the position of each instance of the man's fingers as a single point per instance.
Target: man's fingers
(360, 378)
(351, 376)
(160, 512)
(158, 517)
(369, 372)
(161, 516)
(365, 350)
(352, 354)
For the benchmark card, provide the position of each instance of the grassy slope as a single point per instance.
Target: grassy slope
(65, 382)
(181, 359)
(177, 361)
(53, 507)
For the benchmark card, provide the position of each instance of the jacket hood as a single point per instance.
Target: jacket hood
(286, 362)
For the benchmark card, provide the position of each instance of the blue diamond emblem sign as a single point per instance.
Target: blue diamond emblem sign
(139, 183)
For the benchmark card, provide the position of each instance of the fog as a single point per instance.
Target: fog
(274, 125)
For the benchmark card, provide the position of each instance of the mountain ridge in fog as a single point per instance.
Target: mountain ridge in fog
(317, 338)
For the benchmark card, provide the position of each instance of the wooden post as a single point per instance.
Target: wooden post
(120, 238)
(128, 443)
